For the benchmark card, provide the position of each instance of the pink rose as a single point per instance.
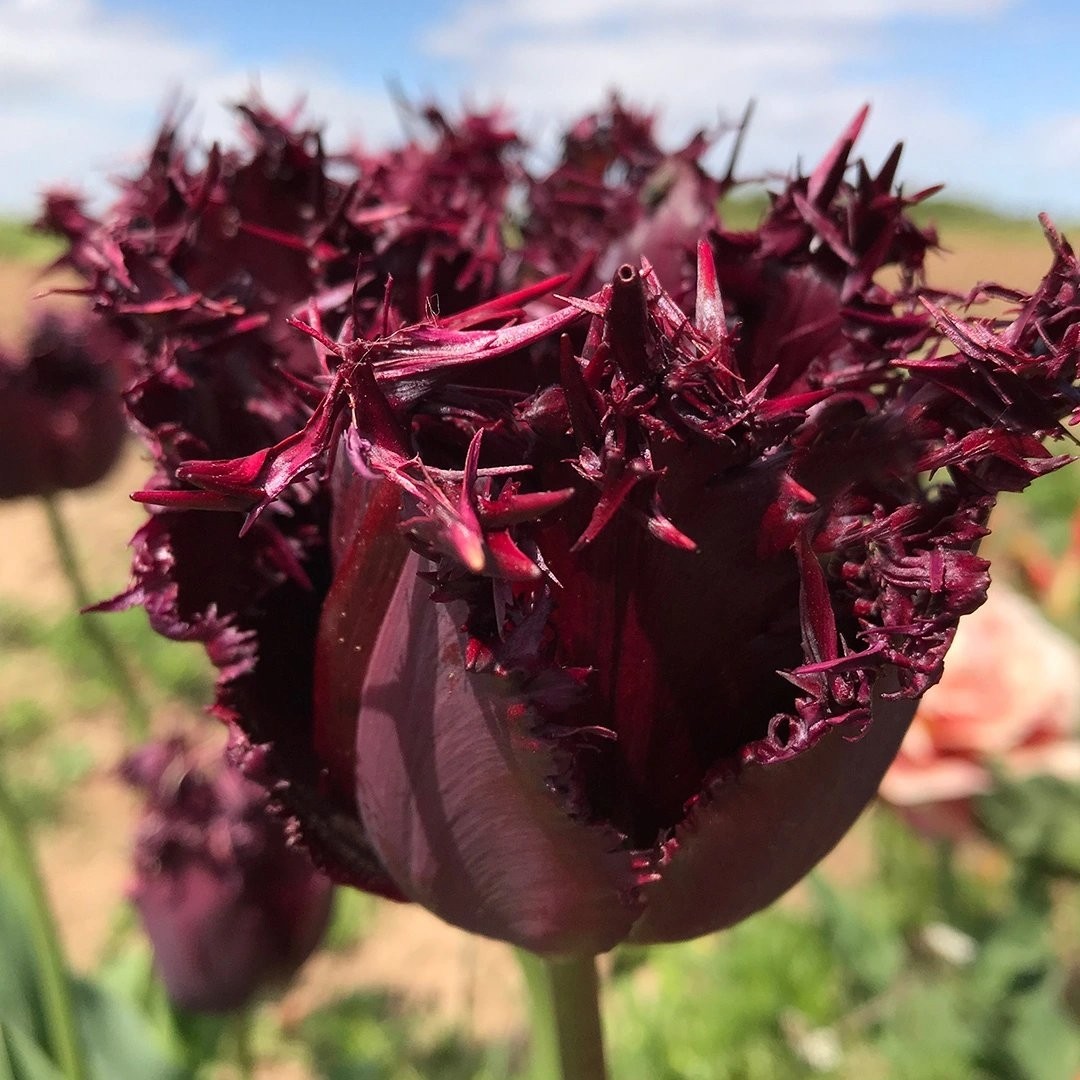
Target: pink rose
(1009, 696)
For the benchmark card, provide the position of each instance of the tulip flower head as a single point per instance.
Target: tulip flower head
(61, 420)
(595, 609)
(231, 908)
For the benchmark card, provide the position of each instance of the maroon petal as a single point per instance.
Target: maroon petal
(747, 840)
(454, 781)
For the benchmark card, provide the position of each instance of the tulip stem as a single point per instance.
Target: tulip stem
(564, 998)
(63, 1033)
(945, 874)
(245, 1057)
(135, 709)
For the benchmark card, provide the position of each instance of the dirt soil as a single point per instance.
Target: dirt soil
(441, 972)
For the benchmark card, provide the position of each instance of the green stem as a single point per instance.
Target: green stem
(945, 874)
(63, 1032)
(564, 999)
(136, 711)
(245, 1057)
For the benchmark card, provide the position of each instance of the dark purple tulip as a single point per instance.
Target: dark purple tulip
(616, 195)
(231, 908)
(592, 619)
(61, 420)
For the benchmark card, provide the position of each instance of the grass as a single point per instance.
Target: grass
(180, 673)
(951, 216)
(948, 216)
(20, 242)
(369, 1034)
(48, 764)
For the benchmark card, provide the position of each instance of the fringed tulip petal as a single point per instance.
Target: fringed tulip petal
(458, 785)
(232, 909)
(595, 554)
(749, 838)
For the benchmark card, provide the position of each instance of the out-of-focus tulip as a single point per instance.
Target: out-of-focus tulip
(232, 909)
(1009, 698)
(61, 420)
(575, 620)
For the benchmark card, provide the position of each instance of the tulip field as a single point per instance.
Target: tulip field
(183, 931)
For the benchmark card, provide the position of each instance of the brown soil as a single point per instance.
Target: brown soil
(21, 294)
(441, 972)
(968, 259)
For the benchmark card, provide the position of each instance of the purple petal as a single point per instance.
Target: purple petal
(749, 839)
(453, 783)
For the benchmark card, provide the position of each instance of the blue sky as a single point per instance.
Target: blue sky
(985, 93)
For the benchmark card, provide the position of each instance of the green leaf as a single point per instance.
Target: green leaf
(929, 1015)
(710, 1009)
(21, 1004)
(1041, 1042)
(366, 1036)
(193, 1038)
(120, 1043)
(33, 993)
(863, 939)
(1037, 821)
(21, 1058)
(1017, 986)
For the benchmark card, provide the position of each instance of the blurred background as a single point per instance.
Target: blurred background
(985, 92)
(942, 938)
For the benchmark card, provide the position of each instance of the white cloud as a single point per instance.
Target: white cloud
(697, 60)
(61, 48)
(1056, 144)
(83, 90)
(808, 65)
(563, 55)
(527, 16)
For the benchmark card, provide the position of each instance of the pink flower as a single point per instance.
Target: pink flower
(1009, 698)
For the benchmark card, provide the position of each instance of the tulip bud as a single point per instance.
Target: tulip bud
(232, 909)
(61, 423)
